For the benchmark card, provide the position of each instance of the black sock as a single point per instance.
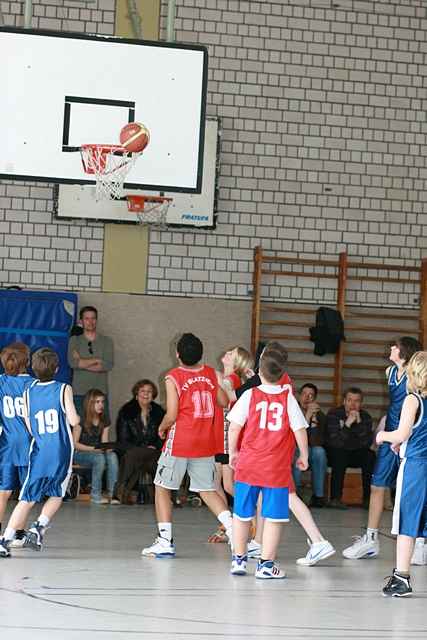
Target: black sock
(262, 560)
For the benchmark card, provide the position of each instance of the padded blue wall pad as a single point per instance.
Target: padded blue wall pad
(39, 319)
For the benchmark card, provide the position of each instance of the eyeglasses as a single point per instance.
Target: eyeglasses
(89, 346)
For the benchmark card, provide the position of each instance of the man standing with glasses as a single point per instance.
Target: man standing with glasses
(91, 356)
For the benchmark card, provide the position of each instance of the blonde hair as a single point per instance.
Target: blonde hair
(243, 362)
(417, 373)
(15, 358)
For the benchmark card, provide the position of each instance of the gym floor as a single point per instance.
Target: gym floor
(91, 582)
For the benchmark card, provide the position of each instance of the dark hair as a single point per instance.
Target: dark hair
(45, 363)
(310, 385)
(260, 348)
(272, 364)
(141, 383)
(14, 358)
(89, 411)
(407, 347)
(83, 310)
(189, 349)
(356, 390)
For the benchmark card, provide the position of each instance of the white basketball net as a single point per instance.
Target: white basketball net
(150, 211)
(110, 165)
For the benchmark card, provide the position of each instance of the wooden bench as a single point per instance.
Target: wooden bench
(353, 488)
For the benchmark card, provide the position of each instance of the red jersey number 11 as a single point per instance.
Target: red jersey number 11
(271, 415)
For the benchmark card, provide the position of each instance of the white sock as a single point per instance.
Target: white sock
(322, 541)
(165, 530)
(419, 541)
(226, 519)
(43, 520)
(372, 534)
(9, 533)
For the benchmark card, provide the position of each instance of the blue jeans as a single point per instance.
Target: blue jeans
(98, 462)
(318, 464)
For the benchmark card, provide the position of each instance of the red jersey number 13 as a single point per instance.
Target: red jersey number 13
(271, 415)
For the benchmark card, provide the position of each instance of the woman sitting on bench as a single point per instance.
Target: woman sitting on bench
(88, 438)
(137, 432)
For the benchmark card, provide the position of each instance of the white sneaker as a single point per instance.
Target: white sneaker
(161, 548)
(238, 565)
(100, 500)
(17, 543)
(254, 549)
(268, 570)
(419, 556)
(35, 536)
(318, 551)
(362, 547)
(4, 548)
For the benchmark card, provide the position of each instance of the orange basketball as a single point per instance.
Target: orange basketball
(134, 137)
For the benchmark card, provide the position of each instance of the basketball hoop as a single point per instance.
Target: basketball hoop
(110, 164)
(150, 210)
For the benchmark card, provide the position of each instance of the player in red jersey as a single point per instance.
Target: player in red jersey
(273, 421)
(192, 393)
(319, 548)
(237, 368)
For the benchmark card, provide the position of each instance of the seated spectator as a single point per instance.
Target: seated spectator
(349, 438)
(88, 437)
(137, 433)
(316, 420)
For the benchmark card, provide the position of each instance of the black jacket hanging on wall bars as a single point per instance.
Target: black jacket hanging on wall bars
(328, 332)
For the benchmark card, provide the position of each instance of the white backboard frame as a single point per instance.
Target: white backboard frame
(61, 88)
(186, 209)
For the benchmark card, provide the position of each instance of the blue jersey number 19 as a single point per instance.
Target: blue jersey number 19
(47, 421)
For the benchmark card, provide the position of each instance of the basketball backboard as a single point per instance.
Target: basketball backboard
(186, 209)
(61, 90)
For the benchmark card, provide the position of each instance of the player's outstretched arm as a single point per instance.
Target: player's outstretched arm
(172, 401)
(226, 386)
(222, 398)
(70, 410)
(233, 438)
(406, 422)
(302, 442)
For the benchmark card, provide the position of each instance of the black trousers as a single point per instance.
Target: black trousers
(340, 459)
(134, 462)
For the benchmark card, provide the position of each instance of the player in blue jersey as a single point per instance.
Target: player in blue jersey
(49, 413)
(387, 463)
(14, 436)
(410, 509)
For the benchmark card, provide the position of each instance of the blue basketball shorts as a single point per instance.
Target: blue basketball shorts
(49, 473)
(386, 467)
(410, 507)
(36, 489)
(11, 476)
(275, 502)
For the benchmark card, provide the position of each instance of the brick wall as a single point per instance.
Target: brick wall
(94, 16)
(323, 146)
(36, 249)
(324, 149)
